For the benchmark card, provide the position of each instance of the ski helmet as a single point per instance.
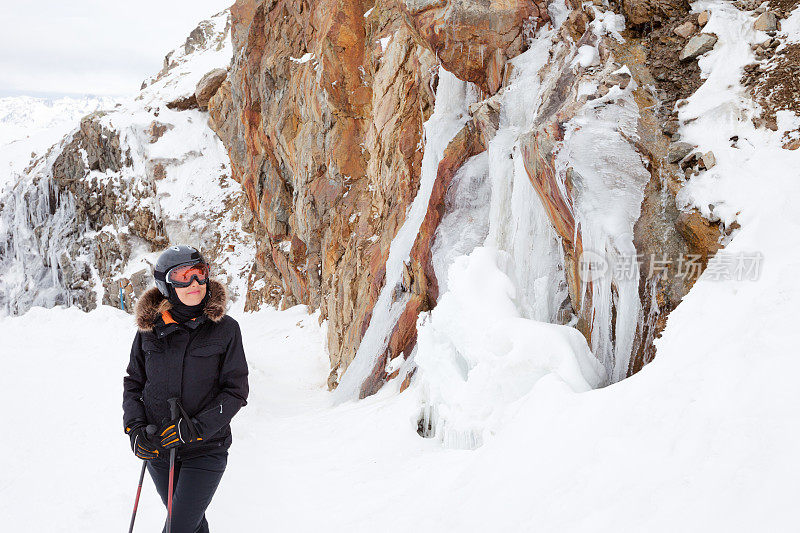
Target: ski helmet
(170, 258)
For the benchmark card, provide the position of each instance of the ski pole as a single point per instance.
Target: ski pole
(151, 429)
(173, 413)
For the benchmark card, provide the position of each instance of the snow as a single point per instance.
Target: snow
(285, 246)
(587, 56)
(790, 27)
(476, 353)
(754, 182)
(558, 12)
(587, 87)
(304, 59)
(607, 23)
(704, 438)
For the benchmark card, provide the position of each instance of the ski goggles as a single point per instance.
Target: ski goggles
(182, 276)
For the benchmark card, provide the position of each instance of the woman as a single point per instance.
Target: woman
(186, 347)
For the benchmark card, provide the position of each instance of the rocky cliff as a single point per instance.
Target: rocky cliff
(324, 112)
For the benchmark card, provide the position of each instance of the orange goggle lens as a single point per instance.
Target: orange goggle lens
(182, 276)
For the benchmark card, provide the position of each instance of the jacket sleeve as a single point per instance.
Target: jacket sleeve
(234, 390)
(133, 412)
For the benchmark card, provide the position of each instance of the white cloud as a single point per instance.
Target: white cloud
(91, 46)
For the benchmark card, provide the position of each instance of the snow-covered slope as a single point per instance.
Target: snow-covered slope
(703, 439)
(207, 47)
(30, 125)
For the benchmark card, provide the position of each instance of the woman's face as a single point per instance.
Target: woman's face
(193, 294)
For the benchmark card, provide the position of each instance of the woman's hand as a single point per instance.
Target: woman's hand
(177, 432)
(141, 444)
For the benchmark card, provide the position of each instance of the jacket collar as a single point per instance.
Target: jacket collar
(152, 310)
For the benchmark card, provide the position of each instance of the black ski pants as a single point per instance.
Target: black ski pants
(195, 481)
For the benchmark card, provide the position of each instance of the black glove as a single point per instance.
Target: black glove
(177, 432)
(141, 444)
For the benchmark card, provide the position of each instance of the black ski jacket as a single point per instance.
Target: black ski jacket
(201, 362)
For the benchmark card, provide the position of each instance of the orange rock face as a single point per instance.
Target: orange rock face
(473, 39)
(323, 123)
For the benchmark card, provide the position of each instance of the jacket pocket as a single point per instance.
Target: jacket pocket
(155, 359)
(201, 373)
(207, 350)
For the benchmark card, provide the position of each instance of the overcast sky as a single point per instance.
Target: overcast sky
(90, 46)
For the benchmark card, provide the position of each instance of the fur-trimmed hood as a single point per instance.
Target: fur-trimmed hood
(152, 303)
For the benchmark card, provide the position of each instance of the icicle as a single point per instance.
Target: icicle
(607, 204)
(34, 240)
